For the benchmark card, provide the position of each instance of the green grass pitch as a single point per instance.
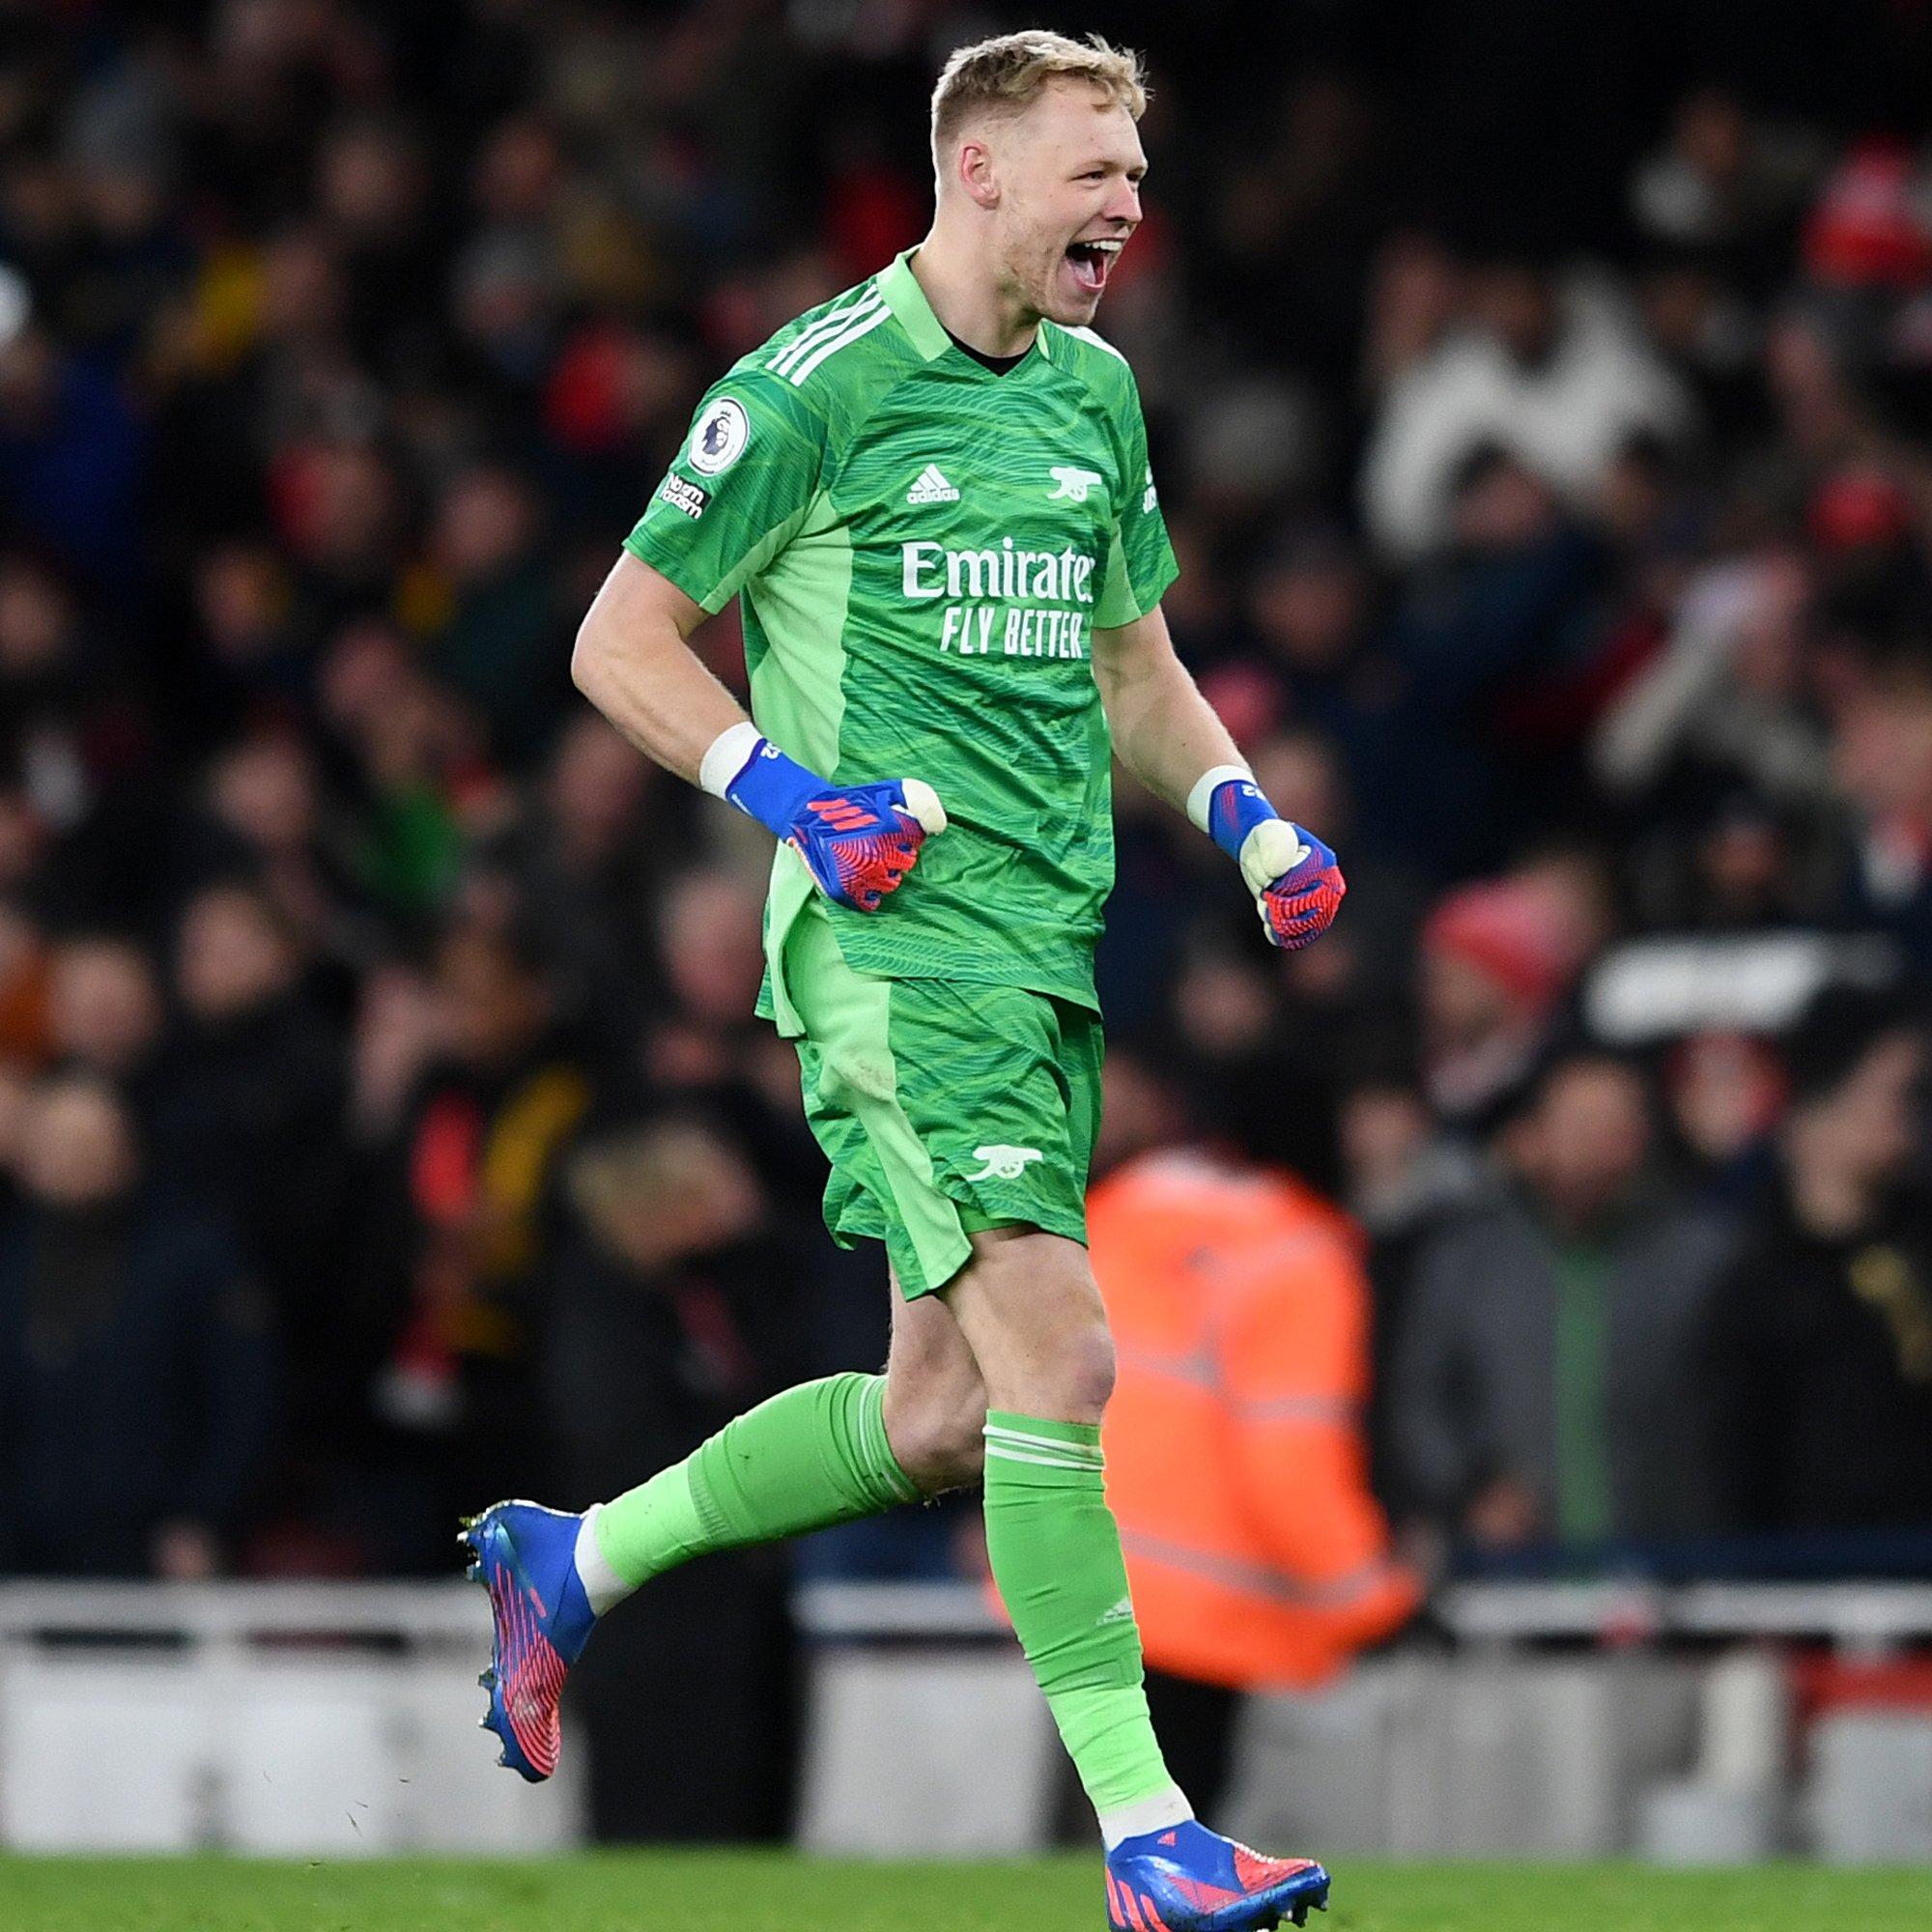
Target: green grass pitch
(669, 1891)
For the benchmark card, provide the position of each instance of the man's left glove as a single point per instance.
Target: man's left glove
(1294, 878)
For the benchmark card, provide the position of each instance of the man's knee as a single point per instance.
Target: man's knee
(935, 1424)
(1086, 1367)
(1033, 1313)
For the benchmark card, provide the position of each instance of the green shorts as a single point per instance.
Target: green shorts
(942, 1107)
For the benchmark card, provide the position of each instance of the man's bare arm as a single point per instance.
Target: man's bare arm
(634, 663)
(1165, 732)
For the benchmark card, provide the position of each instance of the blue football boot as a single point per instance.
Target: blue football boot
(1188, 1879)
(525, 1556)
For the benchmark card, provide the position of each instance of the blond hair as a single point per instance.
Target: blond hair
(1008, 72)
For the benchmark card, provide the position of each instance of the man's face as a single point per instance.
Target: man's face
(713, 955)
(491, 1007)
(1069, 171)
(231, 957)
(1586, 1141)
(107, 1009)
(77, 1153)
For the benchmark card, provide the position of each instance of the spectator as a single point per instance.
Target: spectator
(255, 663)
(77, 744)
(583, 858)
(708, 938)
(1817, 1381)
(1494, 961)
(500, 637)
(1236, 1459)
(466, 1239)
(1546, 1382)
(1726, 186)
(72, 449)
(137, 1393)
(1727, 695)
(1313, 611)
(1884, 754)
(674, 1307)
(1724, 1094)
(1403, 1178)
(250, 1125)
(105, 1018)
(1501, 645)
(1552, 375)
(264, 816)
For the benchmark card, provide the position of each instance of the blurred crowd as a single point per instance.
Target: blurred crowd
(383, 1123)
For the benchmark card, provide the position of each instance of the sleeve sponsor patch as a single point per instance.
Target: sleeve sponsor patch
(681, 493)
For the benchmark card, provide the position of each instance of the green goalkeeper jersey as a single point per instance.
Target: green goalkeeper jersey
(922, 548)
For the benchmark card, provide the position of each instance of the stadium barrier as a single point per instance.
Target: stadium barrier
(1559, 1720)
(300, 1718)
(1690, 1722)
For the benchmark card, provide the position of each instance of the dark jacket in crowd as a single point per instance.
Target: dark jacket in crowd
(1818, 1375)
(250, 1130)
(638, 1370)
(137, 1385)
(1479, 1371)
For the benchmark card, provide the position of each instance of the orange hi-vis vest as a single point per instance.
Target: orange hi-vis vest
(1235, 1462)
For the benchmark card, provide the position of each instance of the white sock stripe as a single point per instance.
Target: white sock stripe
(995, 1452)
(837, 343)
(1006, 1435)
(826, 325)
(1045, 1456)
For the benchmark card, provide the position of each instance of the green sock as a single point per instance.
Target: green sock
(810, 1458)
(1056, 1557)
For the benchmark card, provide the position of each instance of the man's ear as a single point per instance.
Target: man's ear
(974, 169)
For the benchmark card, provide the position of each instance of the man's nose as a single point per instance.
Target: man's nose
(1123, 204)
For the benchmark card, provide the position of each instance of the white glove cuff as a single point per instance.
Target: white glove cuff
(725, 758)
(1205, 788)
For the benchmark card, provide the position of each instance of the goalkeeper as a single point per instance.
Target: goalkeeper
(932, 498)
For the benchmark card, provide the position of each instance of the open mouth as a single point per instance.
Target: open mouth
(1091, 262)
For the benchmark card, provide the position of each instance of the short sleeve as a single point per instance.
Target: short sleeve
(736, 490)
(1140, 559)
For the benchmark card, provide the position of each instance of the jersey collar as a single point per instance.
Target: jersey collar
(907, 301)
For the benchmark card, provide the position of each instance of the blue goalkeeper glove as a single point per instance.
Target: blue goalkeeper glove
(1296, 883)
(858, 842)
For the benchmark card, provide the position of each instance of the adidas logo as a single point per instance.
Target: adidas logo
(1122, 1613)
(931, 487)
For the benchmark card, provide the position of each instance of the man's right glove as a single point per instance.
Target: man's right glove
(858, 842)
